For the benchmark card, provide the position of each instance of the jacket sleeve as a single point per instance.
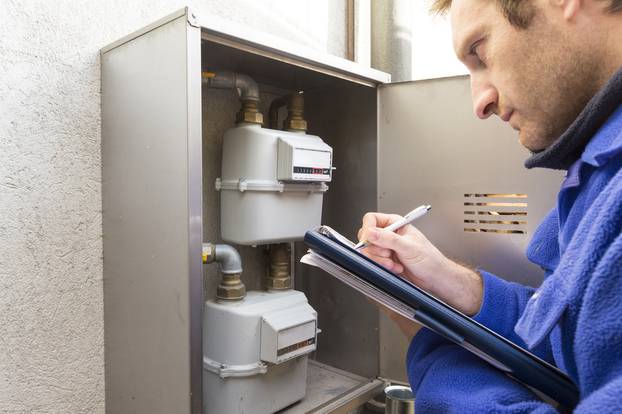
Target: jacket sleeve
(447, 378)
(450, 379)
(598, 338)
(503, 303)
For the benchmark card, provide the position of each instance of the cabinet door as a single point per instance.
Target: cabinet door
(152, 213)
(485, 203)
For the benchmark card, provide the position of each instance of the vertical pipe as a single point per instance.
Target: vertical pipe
(351, 30)
(391, 42)
(278, 276)
(359, 31)
(295, 120)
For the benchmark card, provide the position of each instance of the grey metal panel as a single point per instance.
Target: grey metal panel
(393, 347)
(152, 221)
(346, 119)
(433, 150)
(195, 214)
(164, 20)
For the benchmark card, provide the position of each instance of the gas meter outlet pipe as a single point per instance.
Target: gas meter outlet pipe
(248, 89)
(230, 262)
(278, 276)
(230, 80)
(295, 121)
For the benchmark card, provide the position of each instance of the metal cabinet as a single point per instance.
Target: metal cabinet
(395, 146)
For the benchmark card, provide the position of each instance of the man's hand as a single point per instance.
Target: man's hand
(408, 253)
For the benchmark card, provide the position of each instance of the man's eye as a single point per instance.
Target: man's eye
(474, 52)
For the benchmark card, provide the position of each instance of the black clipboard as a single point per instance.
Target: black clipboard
(446, 321)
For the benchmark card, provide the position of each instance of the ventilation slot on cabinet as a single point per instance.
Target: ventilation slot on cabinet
(495, 213)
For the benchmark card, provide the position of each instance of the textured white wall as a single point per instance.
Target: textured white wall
(51, 304)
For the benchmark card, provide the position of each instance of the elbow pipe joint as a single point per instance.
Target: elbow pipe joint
(247, 87)
(229, 259)
(249, 91)
(230, 287)
(226, 256)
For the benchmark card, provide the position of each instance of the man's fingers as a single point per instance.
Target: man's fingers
(376, 251)
(388, 263)
(379, 219)
(388, 240)
(372, 221)
(369, 220)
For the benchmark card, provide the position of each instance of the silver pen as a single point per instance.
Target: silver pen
(408, 218)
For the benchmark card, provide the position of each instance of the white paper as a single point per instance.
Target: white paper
(377, 295)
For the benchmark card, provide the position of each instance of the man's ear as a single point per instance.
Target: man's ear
(569, 8)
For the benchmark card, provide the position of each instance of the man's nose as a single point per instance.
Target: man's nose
(485, 98)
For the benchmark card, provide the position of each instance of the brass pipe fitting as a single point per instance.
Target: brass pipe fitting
(231, 287)
(295, 113)
(278, 276)
(249, 113)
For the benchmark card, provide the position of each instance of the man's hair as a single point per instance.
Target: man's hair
(518, 12)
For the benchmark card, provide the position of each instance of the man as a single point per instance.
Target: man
(552, 69)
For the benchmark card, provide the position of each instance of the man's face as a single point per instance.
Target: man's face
(538, 78)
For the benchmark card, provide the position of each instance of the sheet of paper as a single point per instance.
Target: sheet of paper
(328, 231)
(372, 292)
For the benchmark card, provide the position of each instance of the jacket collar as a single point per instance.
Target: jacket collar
(606, 144)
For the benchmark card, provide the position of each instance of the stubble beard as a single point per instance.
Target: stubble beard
(562, 81)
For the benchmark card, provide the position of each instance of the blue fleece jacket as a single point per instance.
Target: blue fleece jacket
(574, 320)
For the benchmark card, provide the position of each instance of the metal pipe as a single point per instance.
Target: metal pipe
(399, 400)
(246, 87)
(391, 41)
(228, 258)
(230, 263)
(292, 265)
(278, 276)
(295, 113)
